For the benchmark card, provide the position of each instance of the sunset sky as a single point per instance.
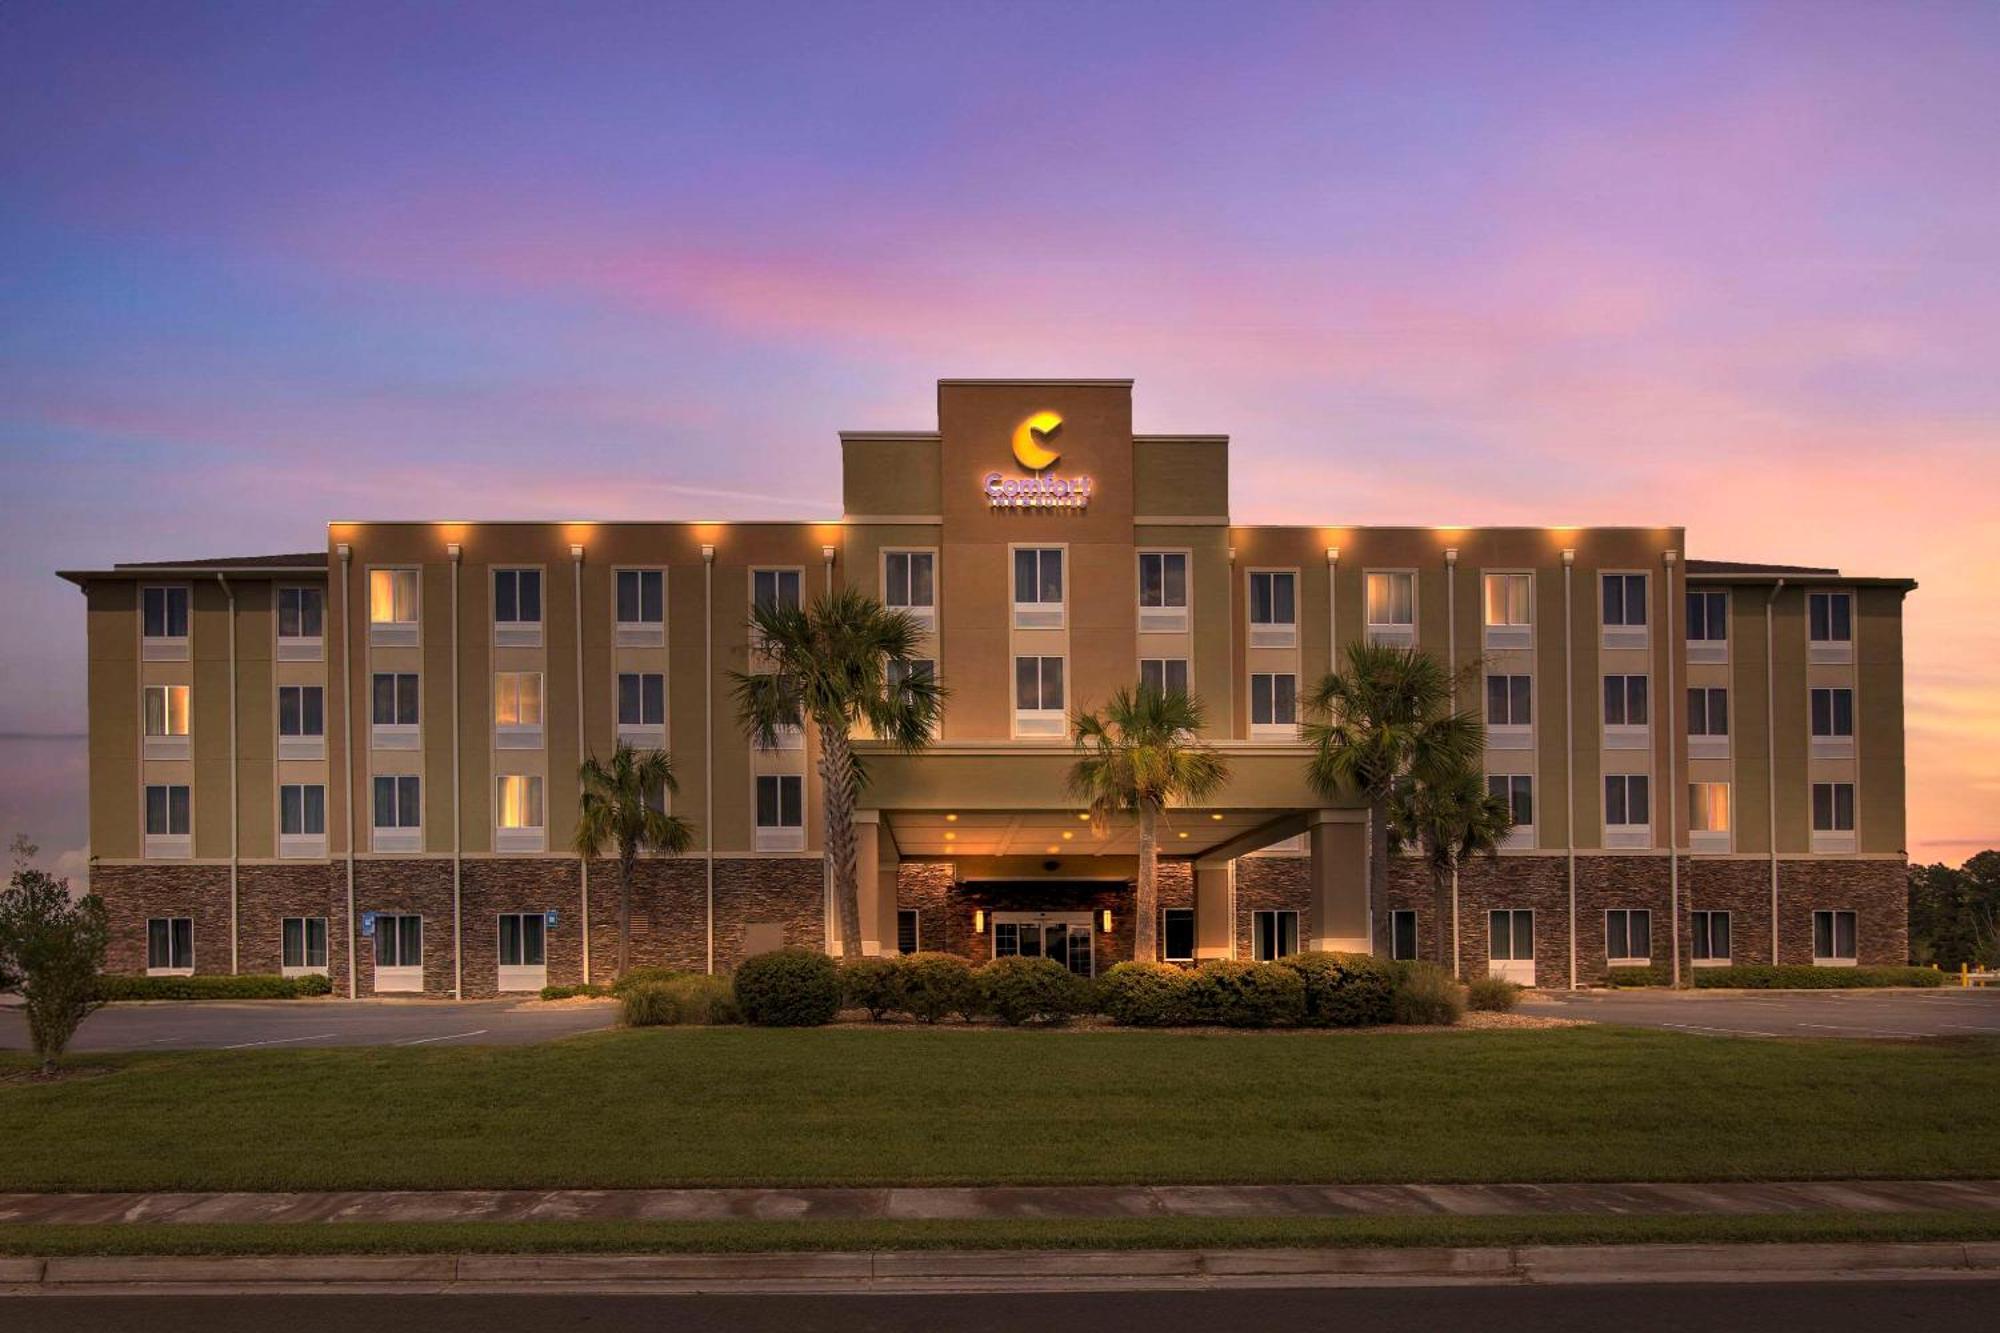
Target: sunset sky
(1736, 267)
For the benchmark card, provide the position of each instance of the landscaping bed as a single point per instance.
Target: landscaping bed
(112, 987)
(1763, 976)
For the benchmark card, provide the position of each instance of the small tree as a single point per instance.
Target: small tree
(1140, 754)
(623, 806)
(1448, 816)
(51, 950)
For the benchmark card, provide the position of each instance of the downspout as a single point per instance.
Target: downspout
(1229, 886)
(582, 860)
(235, 814)
(708, 737)
(826, 862)
(1673, 776)
(1569, 751)
(1771, 750)
(346, 553)
(1451, 664)
(457, 818)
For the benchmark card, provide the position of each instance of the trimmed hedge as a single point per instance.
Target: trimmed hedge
(245, 986)
(571, 992)
(1147, 995)
(1345, 990)
(1249, 995)
(1031, 990)
(1427, 995)
(874, 984)
(1798, 976)
(1624, 977)
(934, 986)
(688, 1000)
(788, 988)
(646, 976)
(1493, 995)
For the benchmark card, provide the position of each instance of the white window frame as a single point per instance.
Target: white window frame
(1626, 735)
(168, 845)
(301, 744)
(1710, 649)
(396, 735)
(1391, 633)
(521, 975)
(1628, 958)
(1701, 814)
(396, 837)
(1194, 935)
(1834, 839)
(798, 573)
(519, 735)
(642, 734)
(916, 920)
(923, 613)
(1509, 633)
(304, 967)
(1830, 651)
(640, 633)
(520, 837)
(1624, 634)
(300, 647)
(1273, 727)
(779, 837)
(1396, 919)
(1627, 834)
(1514, 967)
(402, 975)
(1167, 616)
(1039, 723)
(166, 647)
(1520, 837)
(393, 632)
(1830, 744)
(518, 632)
(1701, 926)
(1276, 915)
(176, 965)
(1163, 668)
(168, 744)
(1707, 743)
(1272, 633)
(304, 844)
(1038, 614)
(1833, 915)
(1513, 733)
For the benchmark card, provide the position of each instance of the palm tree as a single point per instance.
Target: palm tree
(1141, 754)
(1449, 816)
(848, 661)
(1386, 713)
(622, 805)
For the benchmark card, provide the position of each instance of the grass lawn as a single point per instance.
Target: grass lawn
(905, 1105)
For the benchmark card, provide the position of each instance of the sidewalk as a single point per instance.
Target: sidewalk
(1735, 1198)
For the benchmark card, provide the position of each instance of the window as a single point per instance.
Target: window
(1711, 937)
(517, 596)
(170, 944)
(1508, 701)
(304, 940)
(522, 936)
(1628, 936)
(1273, 598)
(1391, 604)
(1163, 580)
(1168, 675)
(913, 668)
(1274, 701)
(642, 699)
(1708, 617)
(1518, 791)
(399, 941)
(302, 710)
(517, 701)
(395, 699)
(775, 588)
(1833, 807)
(396, 802)
(1273, 935)
(908, 939)
(1830, 617)
(1038, 696)
(392, 597)
(1177, 934)
(1708, 711)
(1708, 809)
(1402, 935)
(1038, 587)
(302, 810)
(1833, 712)
(780, 801)
(520, 801)
(301, 613)
(166, 710)
(167, 812)
(642, 597)
(1509, 599)
(1624, 701)
(908, 580)
(165, 613)
(1627, 800)
(1625, 600)
(1833, 937)
(1511, 935)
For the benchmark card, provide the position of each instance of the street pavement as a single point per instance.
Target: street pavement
(1882, 1015)
(296, 1024)
(1827, 1307)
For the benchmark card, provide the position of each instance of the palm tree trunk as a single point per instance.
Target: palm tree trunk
(1378, 864)
(1146, 894)
(837, 777)
(1441, 897)
(627, 855)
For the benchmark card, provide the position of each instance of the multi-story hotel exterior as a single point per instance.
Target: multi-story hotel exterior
(363, 760)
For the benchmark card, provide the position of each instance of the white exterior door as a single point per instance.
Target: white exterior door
(1064, 937)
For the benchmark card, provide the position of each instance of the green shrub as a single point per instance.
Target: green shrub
(571, 992)
(788, 988)
(1345, 990)
(874, 984)
(937, 985)
(1493, 995)
(1636, 976)
(688, 1000)
(1248, 995)
(1147, 995)
(645, 1005)
(245, 986)
(1028, 990)
(1426, 994)
(314, 983)
(644, 976)
(1799, 976)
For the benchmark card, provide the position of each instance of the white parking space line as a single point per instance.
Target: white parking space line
(1849, 1027)
(1970, 1027)
(1702, 1027)
(279, 1041)
(454, 1036)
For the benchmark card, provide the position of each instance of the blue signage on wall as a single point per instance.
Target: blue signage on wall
(552, 918)
(368, 925)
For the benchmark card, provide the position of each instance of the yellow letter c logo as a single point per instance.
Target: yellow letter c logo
(1030, 437)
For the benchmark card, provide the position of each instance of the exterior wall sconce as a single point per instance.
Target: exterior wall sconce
(979, 921)
(1104, 920)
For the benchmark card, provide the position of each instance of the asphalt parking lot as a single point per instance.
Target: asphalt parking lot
(282, 1024)
(1869, 1015)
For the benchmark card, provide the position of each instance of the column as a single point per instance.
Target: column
(1214, 922)
(1339, 872)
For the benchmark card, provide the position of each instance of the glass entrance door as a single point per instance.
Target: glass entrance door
(1064, 938)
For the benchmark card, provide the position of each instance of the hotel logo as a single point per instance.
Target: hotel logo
(1044, 490)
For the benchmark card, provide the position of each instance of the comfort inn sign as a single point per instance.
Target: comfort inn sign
(1043, 489)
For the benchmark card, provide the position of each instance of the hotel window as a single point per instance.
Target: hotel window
(170, 944)
(1832, 723)
(1038, 587)
(1830, 617)
(165, 613)
(1274, 704)
(1624, 601)
(1274, 616)
(304, 944)
(642, 598)
(302, 810)
(1625, 712)
(301, 713)
(781, 815)
(517, 608)
(1517, 792)
(1833, 937)
(1628, 808)
(1177, 934)
(1163, 592)
(392, 606)
(908, 939)
(1168, 675)
(1038, 696)
(517, 710)
(169, 827)
(398, 813)
(1833, 816)
(399, 942)
(1708, 626)
(1509, 702)
(1708, 816)
(642, 699)
(1273, 935)
(775, 588)
(523, 936)
(1511, 935)
(1708, 711)
(394, 710)
(1392, 607)
(1403, 935)
(1509, 600)
(1711, 937)
(520, 806)
(1628, 936)
(301, 623)
(909, 584)
(167, 721)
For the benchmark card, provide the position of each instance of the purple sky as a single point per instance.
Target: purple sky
(264, 265)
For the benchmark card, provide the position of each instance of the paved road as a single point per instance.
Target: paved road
(1876, 1015)
(1827, 1307)
(283, 1024)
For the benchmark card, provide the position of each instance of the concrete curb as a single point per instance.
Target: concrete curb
(986, 1270)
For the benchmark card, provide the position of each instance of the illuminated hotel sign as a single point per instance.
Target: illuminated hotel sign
(1043, 490)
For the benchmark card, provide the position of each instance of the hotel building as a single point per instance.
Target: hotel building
(362, 760)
